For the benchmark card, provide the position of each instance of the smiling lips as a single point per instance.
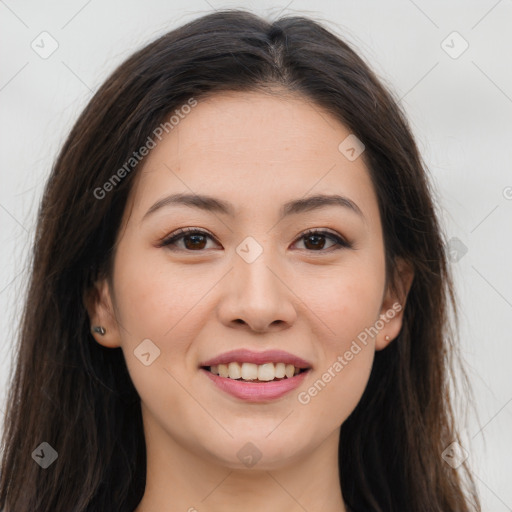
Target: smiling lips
(250, 366)
(251, 372)
(256, 376)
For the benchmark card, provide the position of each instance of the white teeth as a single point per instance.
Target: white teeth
(280, 370)
(250, 371)
(234, 370)
(290, 370)
(266, 371)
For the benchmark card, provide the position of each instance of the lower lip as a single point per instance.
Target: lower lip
(257, 391)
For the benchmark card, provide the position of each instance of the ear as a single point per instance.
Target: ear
(98, 302)
(393, 304)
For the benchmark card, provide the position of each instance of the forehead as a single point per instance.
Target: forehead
(255, 127)
(254, 148)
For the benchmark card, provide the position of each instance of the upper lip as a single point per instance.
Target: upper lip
(249, 356)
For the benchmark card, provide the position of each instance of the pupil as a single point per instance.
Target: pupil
(316, 243)
(195, 240)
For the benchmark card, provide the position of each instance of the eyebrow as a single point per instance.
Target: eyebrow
(212, 204)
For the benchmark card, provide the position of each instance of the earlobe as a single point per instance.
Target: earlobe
(99, 329)
(393, 305)
(104, 326)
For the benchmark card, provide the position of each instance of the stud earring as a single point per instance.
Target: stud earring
(387, 338)
(99, 329)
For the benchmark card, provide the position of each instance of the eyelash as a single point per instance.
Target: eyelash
(182, 232)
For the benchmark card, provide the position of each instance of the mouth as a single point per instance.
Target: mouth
(256, 376)
(249, 387)
(250, 372)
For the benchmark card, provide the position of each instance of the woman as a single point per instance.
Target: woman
(239, 295)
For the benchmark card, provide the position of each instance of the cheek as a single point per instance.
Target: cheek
(348, 304)
(353, 308)
(153, 303)
(346, 300)
(153, 296)
(163, 307)
(344, 368)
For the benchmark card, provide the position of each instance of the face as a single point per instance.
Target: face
(261, 268)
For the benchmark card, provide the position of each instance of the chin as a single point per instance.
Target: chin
(259, 452)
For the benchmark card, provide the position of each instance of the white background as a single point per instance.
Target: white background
(460, 111)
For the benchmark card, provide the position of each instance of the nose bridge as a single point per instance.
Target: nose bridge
(256, 293)
(252, 270)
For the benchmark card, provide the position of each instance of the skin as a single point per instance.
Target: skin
(256, 151)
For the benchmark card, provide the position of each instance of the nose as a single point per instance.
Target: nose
(257, 296)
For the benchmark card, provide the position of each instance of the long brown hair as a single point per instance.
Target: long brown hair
(69, 391)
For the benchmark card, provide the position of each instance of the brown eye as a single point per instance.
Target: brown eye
(193, 239)
(314, 240)
(197, 241)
